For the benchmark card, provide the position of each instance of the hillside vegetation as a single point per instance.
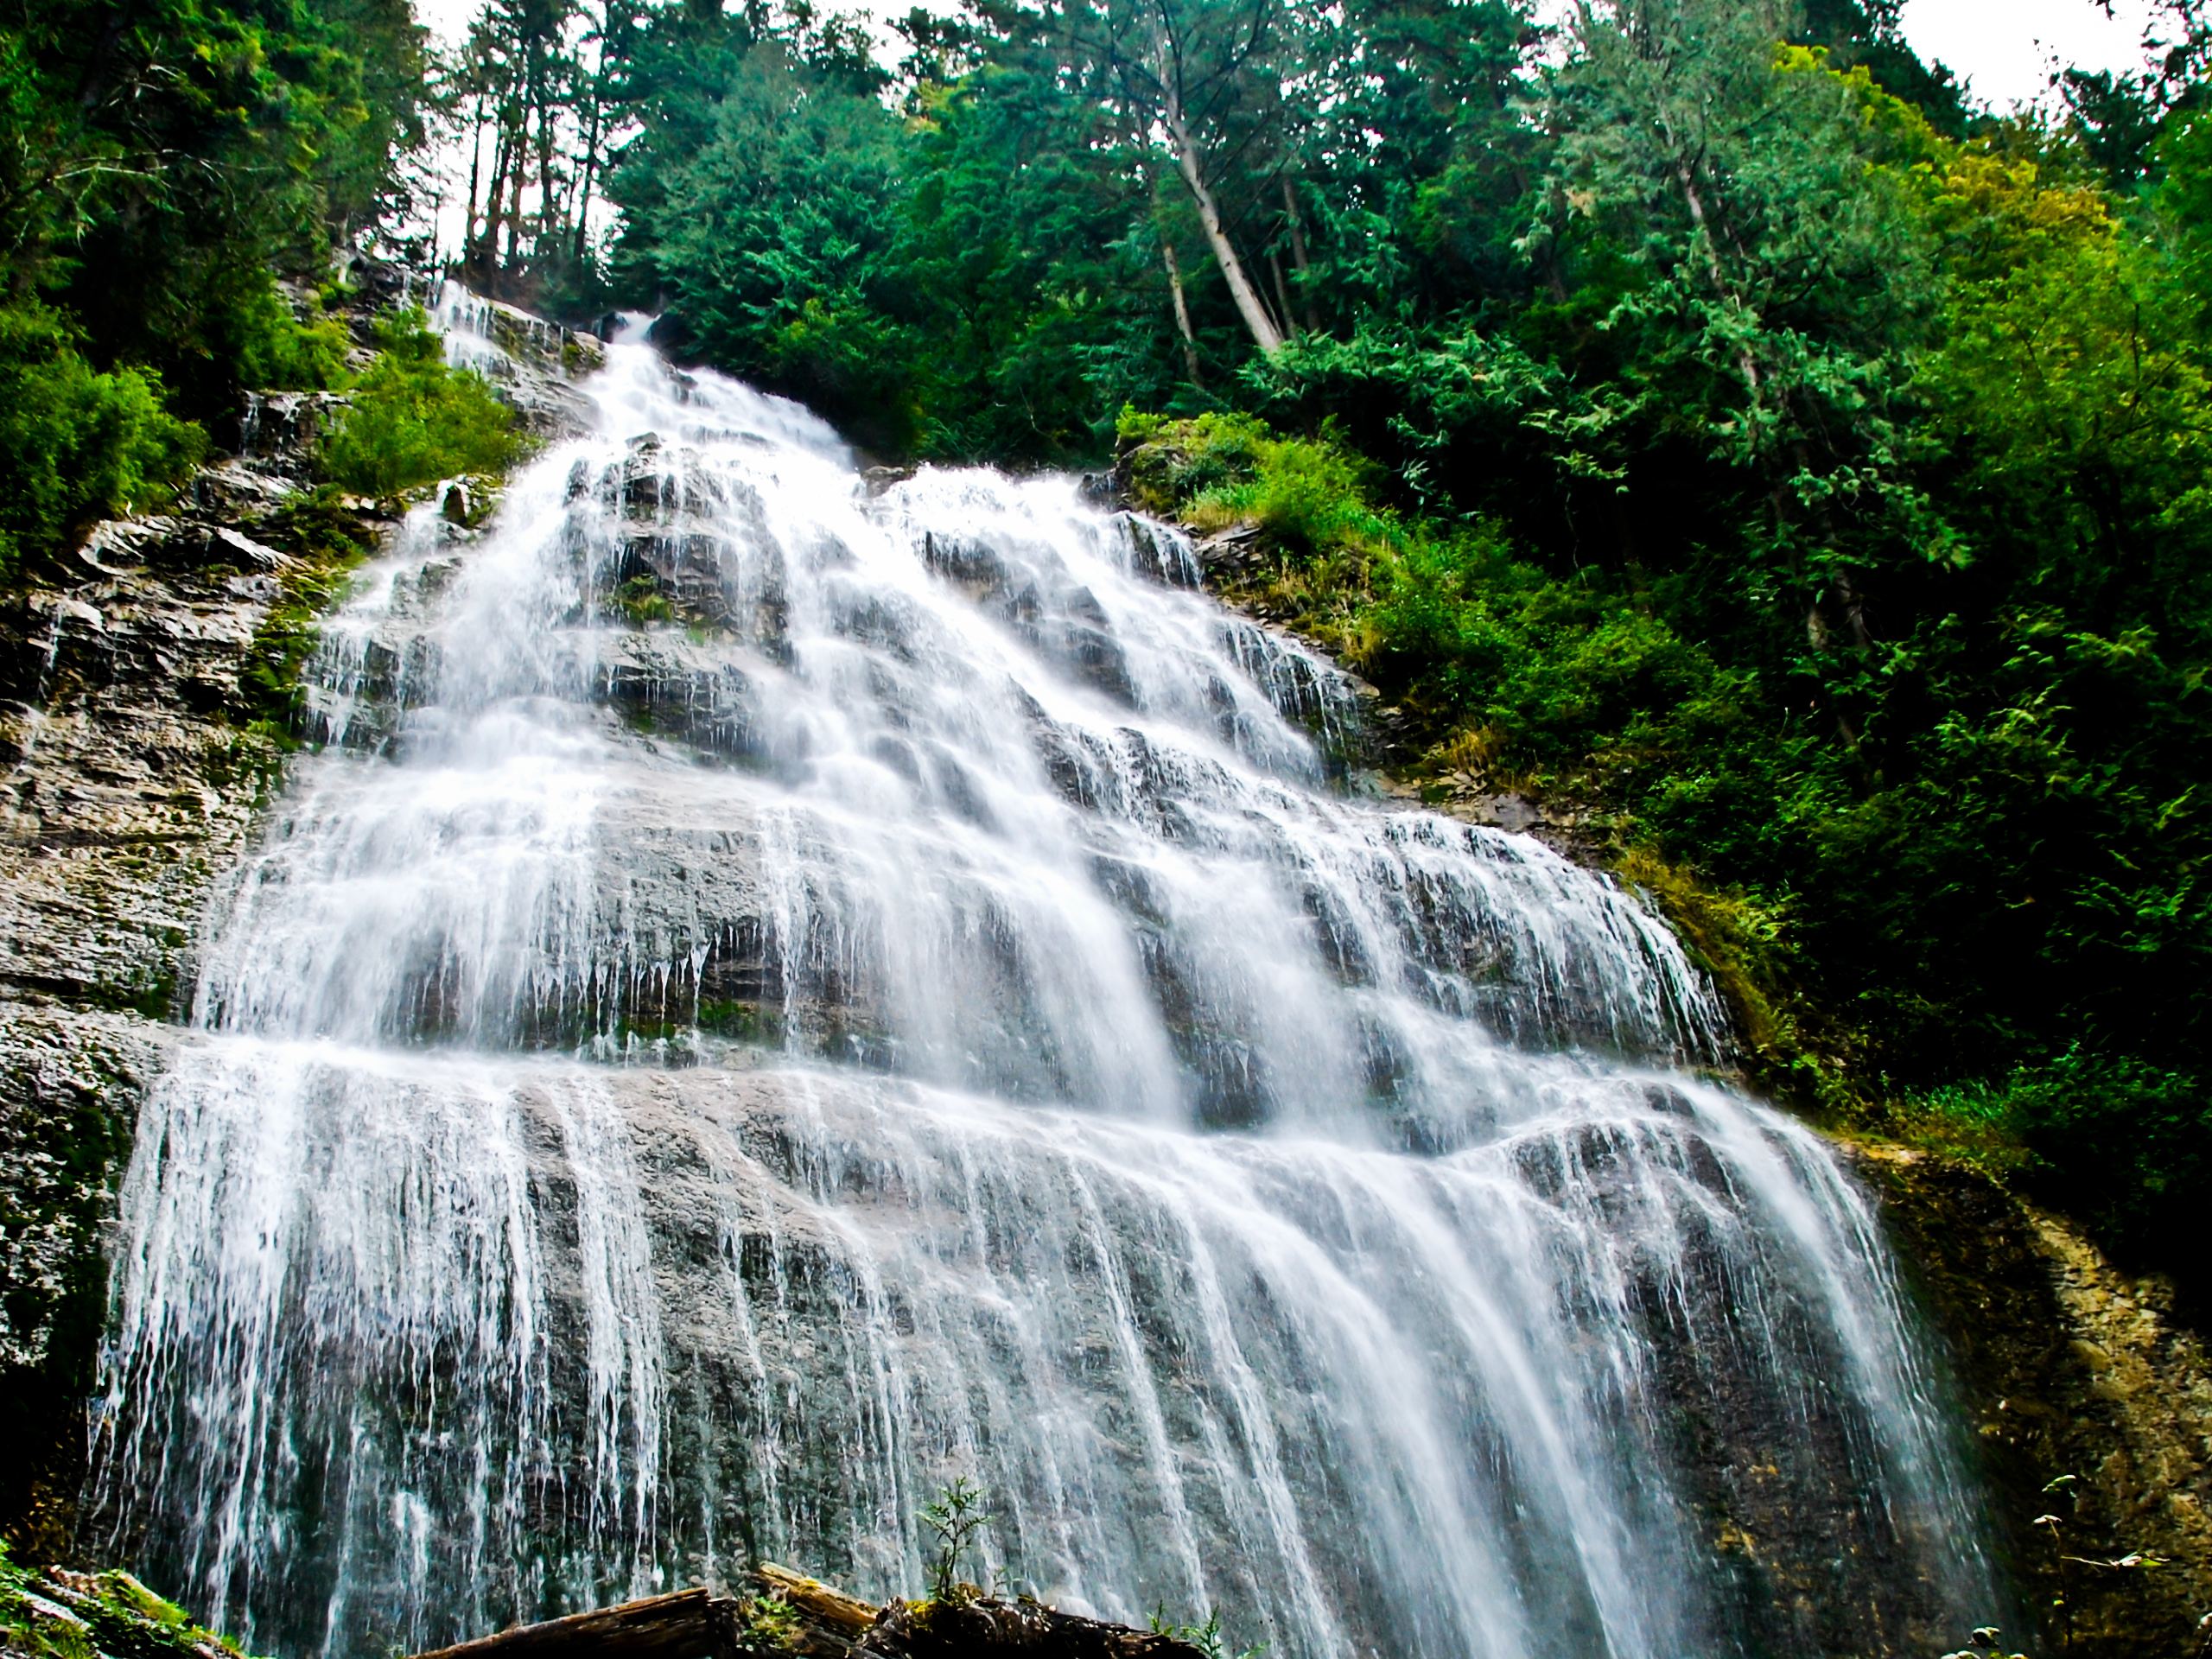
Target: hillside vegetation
(174, 176)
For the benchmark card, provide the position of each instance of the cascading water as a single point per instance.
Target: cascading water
(772, 997)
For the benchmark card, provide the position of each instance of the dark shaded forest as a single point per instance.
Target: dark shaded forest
(1695, 413)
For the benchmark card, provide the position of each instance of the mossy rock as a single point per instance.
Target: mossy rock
(68, 1615)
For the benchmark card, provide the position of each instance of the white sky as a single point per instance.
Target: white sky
(2004, 48)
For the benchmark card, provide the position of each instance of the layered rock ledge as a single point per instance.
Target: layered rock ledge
(137, 749)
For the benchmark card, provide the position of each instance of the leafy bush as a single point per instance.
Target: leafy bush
(415, 420)
(279, 351)
(75, 443)
(2125, 1144)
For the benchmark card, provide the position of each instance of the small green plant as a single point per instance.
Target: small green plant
(1206, 1638)
(772, 1626)
(956, 1519)
(2054, 1525)
(641, 600)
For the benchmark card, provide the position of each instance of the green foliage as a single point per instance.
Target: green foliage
(1863, 929)
(1206, 1637)
(951, 286)
(2125, 1145)
(280, 350)
(75, 444)
(764, 226)
(413, 419)
(104, 1613)
(641, 600)
(956, 1519)
(772, 1626)
(161, 165)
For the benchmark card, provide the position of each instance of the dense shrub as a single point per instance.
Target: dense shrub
(75, 443)
(414, 420)
(2125, 1145)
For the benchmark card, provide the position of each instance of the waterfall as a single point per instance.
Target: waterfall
(775, 992)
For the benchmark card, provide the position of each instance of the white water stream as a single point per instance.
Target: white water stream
(775, 996)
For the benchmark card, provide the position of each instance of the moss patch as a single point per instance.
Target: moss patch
(58, 1614)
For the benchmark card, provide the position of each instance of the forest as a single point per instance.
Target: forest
(1697, 414)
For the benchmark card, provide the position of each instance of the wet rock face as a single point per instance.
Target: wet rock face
(130, 784)
(769, 1312)
(533, 365)
(132, 776)
(2066, 1368)
(70, 1081)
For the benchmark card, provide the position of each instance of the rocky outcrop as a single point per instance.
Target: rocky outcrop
(133, 769)
(2090, 1403)
(140, 728)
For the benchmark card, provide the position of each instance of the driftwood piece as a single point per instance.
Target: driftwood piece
(685, 1624)
(815, 1601)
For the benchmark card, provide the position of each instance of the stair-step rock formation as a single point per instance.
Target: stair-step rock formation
(136, 756)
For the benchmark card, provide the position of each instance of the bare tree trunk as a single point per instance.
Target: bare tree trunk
(1250, 306)
(486, 258)
(1282, 291)
(1182, 309)
(517, 170)
(590, 171)
(475, 173)
(541, 74)
(1300, 263)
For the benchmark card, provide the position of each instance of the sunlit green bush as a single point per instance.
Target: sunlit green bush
(414, 420)
(76, 444)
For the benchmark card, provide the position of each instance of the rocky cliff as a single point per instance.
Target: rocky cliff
(142, 724)
(2090, 1403)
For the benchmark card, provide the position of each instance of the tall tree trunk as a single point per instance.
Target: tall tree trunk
(517, 170)
(1182, 309)
(540, 76)
(1300, 263)
(475, 173)
(579, 236)
(486, 258)
(1250, 306)
(1282, 291)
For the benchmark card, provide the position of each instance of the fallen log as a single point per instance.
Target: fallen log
(816, 1602)
(684, 1624)
(790, 1613)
